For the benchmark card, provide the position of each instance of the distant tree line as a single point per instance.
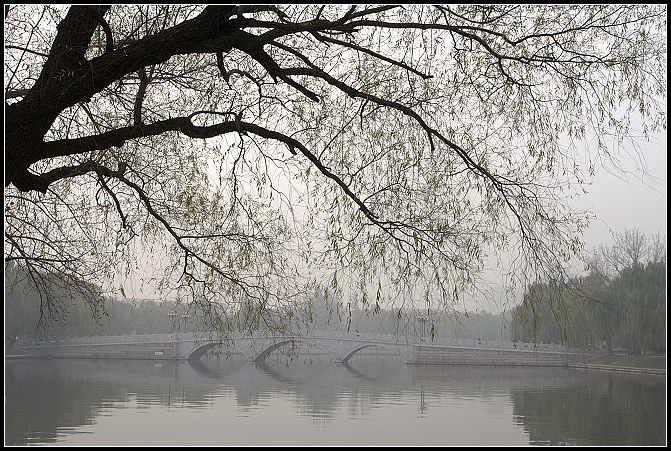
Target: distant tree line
(137, 316)
(365, 318)
(621, 302)
(26, 317)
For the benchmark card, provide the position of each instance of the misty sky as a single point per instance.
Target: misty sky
(633, 200)
(633, 197)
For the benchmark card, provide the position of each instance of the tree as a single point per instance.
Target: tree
(554, 313)
(622, 301)
(640, 291)
(629, 304)
(26, 317)
(632, 247)
(257, 153)
(22, 307)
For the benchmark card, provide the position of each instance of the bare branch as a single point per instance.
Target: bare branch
(16, 93)
(139, 98)
(8, 46)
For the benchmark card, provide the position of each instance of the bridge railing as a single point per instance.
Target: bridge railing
(106, 339)
(321, 334)
(489, 344)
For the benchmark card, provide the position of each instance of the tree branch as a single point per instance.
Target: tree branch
(363, 50)
(108, 32)
(139, 98)
(7, 46)
(14, 93)
(183, 125)
(41, 182)
(178, 239)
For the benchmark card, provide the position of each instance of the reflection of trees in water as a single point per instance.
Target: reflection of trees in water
(72, 393)
(53, 400)
(490, 379)
(602, 408)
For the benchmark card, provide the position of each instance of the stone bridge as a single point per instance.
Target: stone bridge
(336, 345)
(340, 346)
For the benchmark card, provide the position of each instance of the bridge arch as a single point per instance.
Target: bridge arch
(349, 354)
(200, 351)
(249, 348)
(261, 356)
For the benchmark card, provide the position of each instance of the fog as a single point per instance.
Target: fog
(629, 192)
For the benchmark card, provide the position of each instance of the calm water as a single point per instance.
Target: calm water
(374, 400)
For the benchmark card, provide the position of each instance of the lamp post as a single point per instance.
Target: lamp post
(172, 315)
(422, 322)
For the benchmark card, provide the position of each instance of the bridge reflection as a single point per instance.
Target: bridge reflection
(225, 367)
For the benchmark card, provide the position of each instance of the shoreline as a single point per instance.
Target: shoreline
(621, 369)
(585, 366)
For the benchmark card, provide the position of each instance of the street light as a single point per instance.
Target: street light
(172, 321)
(422, 321)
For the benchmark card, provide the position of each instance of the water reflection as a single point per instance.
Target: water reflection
(369, 400)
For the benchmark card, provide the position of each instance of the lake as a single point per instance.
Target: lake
(373, 400)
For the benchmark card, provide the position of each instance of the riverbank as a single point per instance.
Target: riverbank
(11, 354)
(618, 362)
(626, 363)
